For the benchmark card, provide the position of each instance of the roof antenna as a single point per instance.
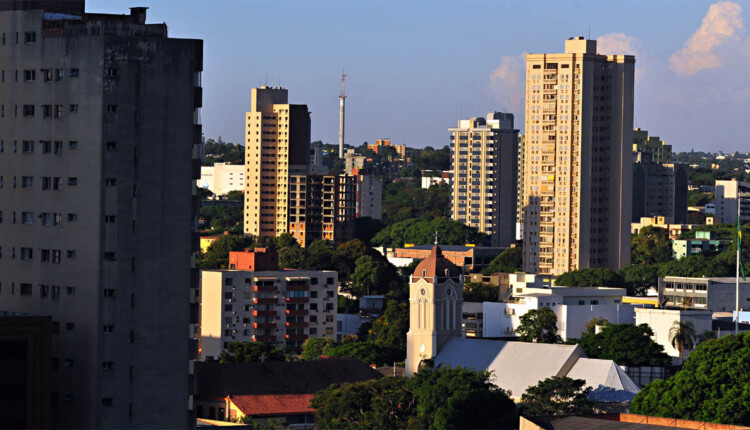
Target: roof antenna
(266, 78)
(589, 31)
(436, 237)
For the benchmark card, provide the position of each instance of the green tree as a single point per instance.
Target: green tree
(366, 352)
(713, 385)
(390, 329)
(367, 274)
(217, 254)
(639, 279)
(249, 352)
(539, 326)
(557, 396)
(625, 344)
(313, 347)
(433, 398)
(682, 337)
(344, 258)
(480, 292)
(422, 231)
(365, 228)
(590, 326)
(235, 195)
(707, 335)
(508, 261)
(651, 245)
(596, 277)
(347, 305)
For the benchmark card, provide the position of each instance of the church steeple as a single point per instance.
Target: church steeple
(435, 301)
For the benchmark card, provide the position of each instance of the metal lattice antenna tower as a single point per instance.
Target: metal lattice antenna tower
(342, 102)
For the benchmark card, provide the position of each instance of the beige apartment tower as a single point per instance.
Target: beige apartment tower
(277, 145)
(484, 164)
(99, 153)
(578, 159)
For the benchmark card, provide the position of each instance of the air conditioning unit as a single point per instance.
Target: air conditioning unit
(510, 311)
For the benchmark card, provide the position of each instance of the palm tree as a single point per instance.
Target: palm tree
(682, 337)
(707, 335)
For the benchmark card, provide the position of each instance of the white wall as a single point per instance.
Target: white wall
(661, 321)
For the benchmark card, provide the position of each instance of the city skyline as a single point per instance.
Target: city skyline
(387, 55)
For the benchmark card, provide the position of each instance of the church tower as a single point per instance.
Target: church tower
(435, 301)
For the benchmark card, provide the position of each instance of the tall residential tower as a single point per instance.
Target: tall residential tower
(99, 153)
(484, 161)
(577, 163)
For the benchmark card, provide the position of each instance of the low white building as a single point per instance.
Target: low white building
(222, 178)
(662, 320)
(428, 181)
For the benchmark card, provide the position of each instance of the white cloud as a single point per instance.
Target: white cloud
(722, 25)
(508, 83)
(618, 43)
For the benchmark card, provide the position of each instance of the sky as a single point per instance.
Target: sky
(414, 68)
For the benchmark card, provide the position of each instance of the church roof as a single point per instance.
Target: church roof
(436, 265)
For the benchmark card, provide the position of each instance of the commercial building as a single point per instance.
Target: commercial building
(100, 157)
(283, 194)
(383, 143)
(484, 161)
(222, 178)
(704, 241)
(660, 188)
(577, 163)
(430, 178)
(714, 294)
(265, 305)
(727, 195)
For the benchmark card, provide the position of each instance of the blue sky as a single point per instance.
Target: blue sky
(415, 67)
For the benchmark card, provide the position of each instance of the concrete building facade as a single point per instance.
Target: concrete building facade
(322, 207)
(369, 195)
(704, 241)
(728, 193)
(658, 150)
(660, 187)
(222, 178)
(484, 161)
(714, 294)
(382, 143)
(577, 163)
(96, 166)
(278, 307)
(352, 161)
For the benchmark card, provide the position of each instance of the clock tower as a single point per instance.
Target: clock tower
(435, 301)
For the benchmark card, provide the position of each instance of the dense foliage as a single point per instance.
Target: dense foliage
(223, 218)
(313, 347)
(249, 352)
(508, 261)
(625, 344)
(650, 246)
(480, 292)
(422, 231)
(557, 396)
(713, 385)
(539, 326)
(433, 398)
(218, 151)
(390, 329)
(405, 199)
(597, 277)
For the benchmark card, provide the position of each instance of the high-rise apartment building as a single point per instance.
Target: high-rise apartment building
(484, 160)
(729, 194)
(519, 187)
(277, 146)
(369, 195)
(99, 145)
(660, 187)
(221, 178)
(283, 193)
(577, 163)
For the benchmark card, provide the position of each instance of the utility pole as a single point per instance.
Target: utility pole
(342, 102)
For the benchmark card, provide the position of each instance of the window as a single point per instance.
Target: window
(72, 180)
(28, 110)
(29, 75)
(109, 218)
(56, 183)
(46, 146)
(59, 75)
(58, 147)
(27, 217)
(108, 365)
(112, 108)
(109, 292)
(26, 253)
(111, 146)
(73, 144)
(43, 290)
(29, 37)
(58, 111)
(46, 111)
(110, 182)
(27, 182)
(25, 289)
(72, 217)
(71, 291)
(56, 256)
(44, 258)
(46, 75)
(107, 401)
(108, 328)
(73, 108)
(69, 362)
(46, 219)
(74, 73)
(71, 254)
(111, 72)
(110, 256)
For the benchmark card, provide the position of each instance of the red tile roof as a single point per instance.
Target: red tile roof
(273, 404)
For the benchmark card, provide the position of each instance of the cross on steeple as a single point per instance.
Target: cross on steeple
(436, 237)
